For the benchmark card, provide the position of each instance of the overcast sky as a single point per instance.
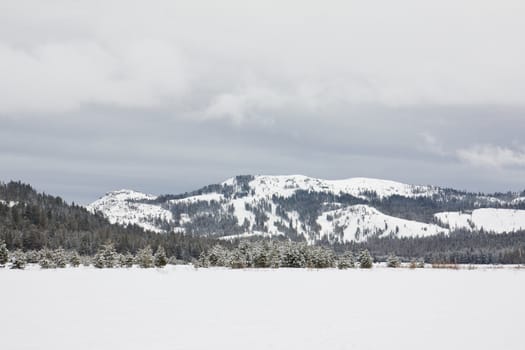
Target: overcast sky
(168, 96)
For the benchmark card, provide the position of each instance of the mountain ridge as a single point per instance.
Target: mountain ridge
(299, 207)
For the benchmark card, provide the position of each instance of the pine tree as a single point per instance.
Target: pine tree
(110, 255)
(145, 257)
(59, 258)
(346, 261)
(126, 260)
(160, 258)
(47, 260)
(218, 256)
(393, 261)
(238, 259)
(261, 256)
(292, 256)
(98, 260)
(4, 253)
(319, 258)
(74, 259)
(18, 260)
(365, 260)
(203, 261)
(274, 257)
(33, 256)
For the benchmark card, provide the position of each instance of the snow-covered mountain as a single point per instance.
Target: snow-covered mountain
(301, 207)
(127, 207)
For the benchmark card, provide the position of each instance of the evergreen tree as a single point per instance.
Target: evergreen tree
(98, 260)
(274, 257)
(346, 260)
(393, 261)
(110, 255)
(160, 258)
(145, 257)
(238, 259)
(218, 256)
(18, 260)
(32, 256)
(47, 260)
(4, 253)
(60, 258)
(203, 261)
(127, 260)
(74, 259)
(261, 256)
(365, 260)
(319, 258)
(292, 256)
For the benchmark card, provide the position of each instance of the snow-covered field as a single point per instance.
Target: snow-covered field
(183, 308)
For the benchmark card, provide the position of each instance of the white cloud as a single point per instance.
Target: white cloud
(60, 55)
(61, 77)
(493, 156)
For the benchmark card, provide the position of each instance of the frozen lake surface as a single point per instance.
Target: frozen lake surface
(183, 308)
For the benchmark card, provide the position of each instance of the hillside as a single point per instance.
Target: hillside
(31, 221)
(305, 208)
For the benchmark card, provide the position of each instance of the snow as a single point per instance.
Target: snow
(124, 207)
(363, 218)
(490, 219)
(10, 204)
(286, 185)
(183, 308)
(207, 197)
(518, 200)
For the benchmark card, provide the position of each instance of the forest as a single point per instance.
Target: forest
(38, 222)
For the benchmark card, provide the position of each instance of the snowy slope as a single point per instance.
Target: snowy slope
(358, 222)
(286, 185)
(488, 219)
(125, 207)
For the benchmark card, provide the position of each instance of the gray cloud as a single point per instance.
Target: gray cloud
(168, 96)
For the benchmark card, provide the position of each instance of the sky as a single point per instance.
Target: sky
(169, 96)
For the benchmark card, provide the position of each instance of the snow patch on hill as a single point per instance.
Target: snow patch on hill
(10, 204)
(286, 185)
(488, 219)
(125, 207)
(518, 200)
(358, 222)
(208, 197)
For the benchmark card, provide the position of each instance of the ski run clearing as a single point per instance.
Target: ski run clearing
(180, 307)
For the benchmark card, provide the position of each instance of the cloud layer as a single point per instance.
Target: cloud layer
(169, 95)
